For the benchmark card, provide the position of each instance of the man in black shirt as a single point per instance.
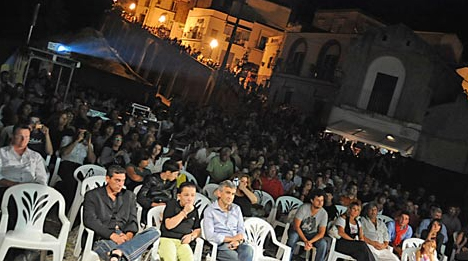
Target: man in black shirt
(180, 226)
(40, 139)
(110, 211)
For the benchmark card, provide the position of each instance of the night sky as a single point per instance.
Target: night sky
(60, 16)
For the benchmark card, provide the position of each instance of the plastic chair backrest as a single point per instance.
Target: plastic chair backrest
(264, 198)
(287, 203)
(92, 183)
(33, 202)
(88, 170)
(341, 209)
(155, 216)
(201, 202)
(412, 242)
(257, 230)
(189, 176)
(409, 254)
(137, 189)
(209, 189)
(384, 218)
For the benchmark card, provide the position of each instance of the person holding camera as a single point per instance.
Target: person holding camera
(244, 197)
(39, 139)
(74, 152)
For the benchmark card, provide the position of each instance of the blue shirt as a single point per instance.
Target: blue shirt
(392, 232)
(425, 224)
(218, 224)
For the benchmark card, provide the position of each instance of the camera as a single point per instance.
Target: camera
(236, 182)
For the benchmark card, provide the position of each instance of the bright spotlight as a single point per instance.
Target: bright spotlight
(58, 48)
(390, 137)
(132, 6)
(214, 43)
(162, 19)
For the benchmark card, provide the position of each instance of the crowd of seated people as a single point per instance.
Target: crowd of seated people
(278, 150)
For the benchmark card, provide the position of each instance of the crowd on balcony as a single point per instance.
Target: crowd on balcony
(276, 150)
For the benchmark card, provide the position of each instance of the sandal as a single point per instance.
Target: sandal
(115, 257)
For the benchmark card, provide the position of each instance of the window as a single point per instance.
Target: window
(382, 93)
(262, 43)
(269, 62)
(214, 33)
(147, 3)
(242, 36)
(328, 60)
(296, 57)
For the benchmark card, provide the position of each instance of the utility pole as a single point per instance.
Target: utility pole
(235, 11)
(33, 23)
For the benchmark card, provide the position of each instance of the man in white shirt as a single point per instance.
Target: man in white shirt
(18, 164)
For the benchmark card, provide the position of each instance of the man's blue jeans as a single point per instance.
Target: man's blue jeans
(244, 252)
(131, 249)
(321, 245)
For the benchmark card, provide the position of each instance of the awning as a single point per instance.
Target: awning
(371, 136)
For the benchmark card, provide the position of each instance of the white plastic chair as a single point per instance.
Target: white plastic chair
(88, 253)
(189, 176)
(412, 242)
(201, 202)
(47, 160)
(417, 242)
(139, 208)
(286, 204)
(385, 218)
(199, 247)
(209, 189)
(33, 202)
(334, 255)
(207, 180)
(341, 209)
(284, 239)
(256, 230)
(264, 198)
(409, 254)
(87, 170)
(87, 185)
(155, 218)
(55, 177)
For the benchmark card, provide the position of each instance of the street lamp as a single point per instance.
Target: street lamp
(213, 44)
(162, 19)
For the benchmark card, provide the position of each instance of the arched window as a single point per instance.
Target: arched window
(382, 86)
(327, 60)
(296, 55)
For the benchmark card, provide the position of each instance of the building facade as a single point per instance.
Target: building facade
(383, 85)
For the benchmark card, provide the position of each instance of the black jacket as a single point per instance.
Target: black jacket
(156, 190)
(102, 215)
